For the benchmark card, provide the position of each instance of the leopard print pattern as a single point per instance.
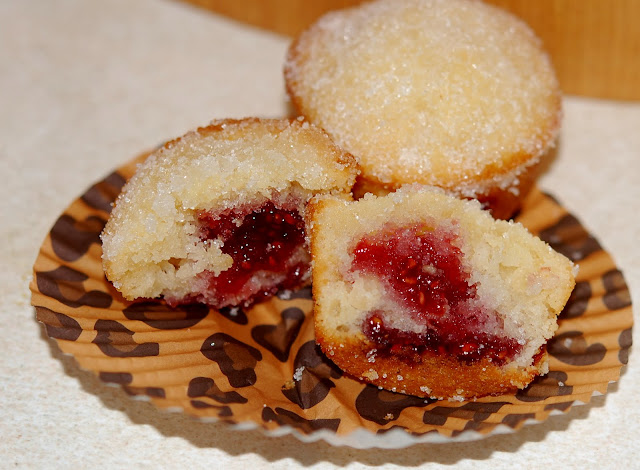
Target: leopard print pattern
(263, 365)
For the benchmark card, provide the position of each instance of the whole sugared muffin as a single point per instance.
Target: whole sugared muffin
(217, 216)
(452, 93)
(426, 294)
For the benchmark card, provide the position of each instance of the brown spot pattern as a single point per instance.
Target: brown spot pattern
(153, 392)
(625, 341)
(71, 239)
(437, 416)
(316, 377)
(279, 338)
(66, 286)
(552, 384)
(58, 325)
(578, 301)
(481, 411)
(206, 387)
(382, 406)
(572, 348)
(474, 412)
(115, 340)
(227, 359)
(571, 239)
(102, 195)
(516, 420)
(288, 418)
(236, 359)
(222, 411)
(121, 378)
(617, 294)
(159, 315)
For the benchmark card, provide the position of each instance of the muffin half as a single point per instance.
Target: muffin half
(422, 293)
(217, 216)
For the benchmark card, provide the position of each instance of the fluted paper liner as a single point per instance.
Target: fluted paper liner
(261, 368)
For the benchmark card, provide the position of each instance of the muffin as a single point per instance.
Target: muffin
(217, 216)
(422, 293)
(452, 93)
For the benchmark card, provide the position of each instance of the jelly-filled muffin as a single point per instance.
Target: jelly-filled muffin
(452, 93)
(426, 294)
(217, 216)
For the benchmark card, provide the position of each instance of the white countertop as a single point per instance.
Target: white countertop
(87, 85)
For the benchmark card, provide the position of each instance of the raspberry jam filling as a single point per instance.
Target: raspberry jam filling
(422, 271)
(267, 245)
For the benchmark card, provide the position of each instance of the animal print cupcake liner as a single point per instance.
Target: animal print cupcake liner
(261, 368)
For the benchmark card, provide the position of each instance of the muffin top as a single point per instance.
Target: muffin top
(446, 92)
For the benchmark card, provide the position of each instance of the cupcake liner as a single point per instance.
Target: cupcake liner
(261, 368)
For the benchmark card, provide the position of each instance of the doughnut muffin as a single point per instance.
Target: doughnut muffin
(217, 216)
(452, 93)
(422, 293)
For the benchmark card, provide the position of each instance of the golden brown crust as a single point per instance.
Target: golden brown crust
(426, 375)
(503, 203)
(273, 125)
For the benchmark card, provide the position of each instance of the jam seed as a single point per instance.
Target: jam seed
(468, 348)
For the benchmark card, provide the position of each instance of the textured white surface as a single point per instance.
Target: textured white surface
(85, 86)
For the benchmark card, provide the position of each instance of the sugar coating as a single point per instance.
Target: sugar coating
(151, 242)
(517, 275)
(453, 93)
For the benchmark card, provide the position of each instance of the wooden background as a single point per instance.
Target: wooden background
(594, 44)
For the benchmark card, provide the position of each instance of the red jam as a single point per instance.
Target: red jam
(423, 272)
(263, 241)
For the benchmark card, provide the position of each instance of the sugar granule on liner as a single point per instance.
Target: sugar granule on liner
(297, 375)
